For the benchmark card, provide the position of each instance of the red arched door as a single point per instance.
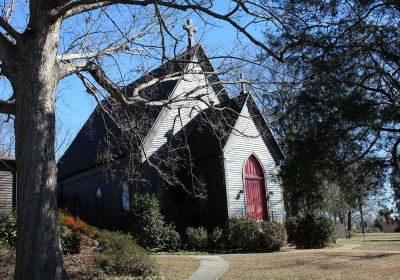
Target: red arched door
(256, 200)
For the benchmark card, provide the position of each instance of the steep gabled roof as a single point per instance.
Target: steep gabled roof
(82, 153)
(222, 119)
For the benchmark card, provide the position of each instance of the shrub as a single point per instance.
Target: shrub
(273, 236)
(196, 238)
(8, 229)
(72, 232)
(243, 233)
(146, 223)
(121, 255)
(312, 230)
(70, 240)
(378, 223)
(173, 240)
(76, 225)
(215, 238)
(292, 226)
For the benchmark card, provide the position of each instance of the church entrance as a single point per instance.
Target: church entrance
(256, 199)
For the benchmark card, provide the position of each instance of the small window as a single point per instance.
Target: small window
(99, 194)
(125, 196)
(99, 206)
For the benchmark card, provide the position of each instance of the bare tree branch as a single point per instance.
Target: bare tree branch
(7, 107)
(6, 49)
(78, 7)
(89, 55)
(10, 30)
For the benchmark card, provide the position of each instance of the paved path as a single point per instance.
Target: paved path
(211, 268)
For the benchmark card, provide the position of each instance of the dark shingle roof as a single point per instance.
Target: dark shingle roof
(82, 153)
(218, 123)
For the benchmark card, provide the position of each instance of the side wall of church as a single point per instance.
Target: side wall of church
(247, 139)
(79, 197)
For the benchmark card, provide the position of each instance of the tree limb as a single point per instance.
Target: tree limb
(78, 7)
(89, 55)
(10, 30)
(6, 49)
(7, 107)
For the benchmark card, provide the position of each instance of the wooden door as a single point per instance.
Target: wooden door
(256, 200)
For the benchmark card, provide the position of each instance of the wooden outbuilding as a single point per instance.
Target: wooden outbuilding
(7, 185)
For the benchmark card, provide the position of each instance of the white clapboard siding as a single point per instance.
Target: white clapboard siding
(193, 83)
(244, 141)
(6, 191)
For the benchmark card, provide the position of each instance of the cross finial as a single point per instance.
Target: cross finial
(191, 30)
(242, 84)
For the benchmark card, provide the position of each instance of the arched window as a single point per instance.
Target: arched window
(99, 205)
(256, 199)
(125, 196)
(99, 193)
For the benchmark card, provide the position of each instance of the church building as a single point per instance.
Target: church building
(204, 155)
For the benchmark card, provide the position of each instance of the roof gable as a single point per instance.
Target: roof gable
(83, 151)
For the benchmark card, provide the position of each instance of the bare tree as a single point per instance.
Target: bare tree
(50, 40)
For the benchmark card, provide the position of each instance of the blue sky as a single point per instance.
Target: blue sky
(74, 105)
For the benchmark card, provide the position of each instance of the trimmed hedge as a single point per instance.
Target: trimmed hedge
(311, 231)
(243, 233)
(273, 236)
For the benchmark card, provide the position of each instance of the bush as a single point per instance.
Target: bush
(378, 223)
(273, 236)
(120, 255)
(8, 229)
(243, 233)
(76, 225)
(215, 238)
(312, 230)
(72, 232)
(70, 240)
(196, 238)
(173, 240)
(292, 226)
(147, 225)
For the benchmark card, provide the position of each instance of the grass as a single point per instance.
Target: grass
(343, 261)
(375, 241)
(314, 265)
(333, 263)
(176, 267)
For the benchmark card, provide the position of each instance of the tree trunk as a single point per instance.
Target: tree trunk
(361, 218)
(349, 225)
(39, 254)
